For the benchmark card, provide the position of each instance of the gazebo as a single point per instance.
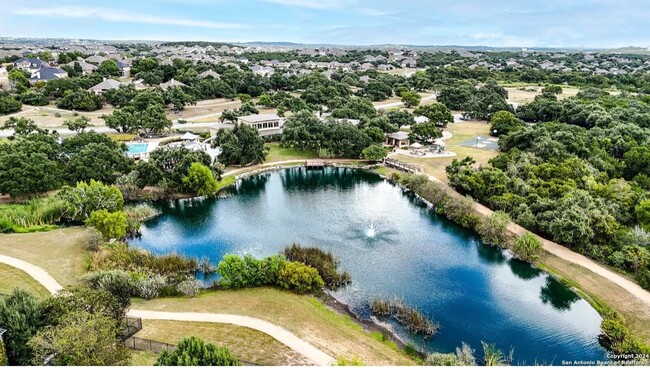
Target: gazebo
(416, 149)
(438, 146)
(188, 137)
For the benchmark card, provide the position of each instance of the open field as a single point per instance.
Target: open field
(245, 343)
(515, 94)
(142, 358)
(46, 116)
(11, 278)
(305, 316)
(635, 311)
(61, 252)
(277, 153)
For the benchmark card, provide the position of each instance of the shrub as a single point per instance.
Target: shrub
(200, 180)
(300, 278)
(193, 351)
(237, 272)
(342, 361)
(112, 225)
(85, 198)
(493, 229)
(459, 210)
(616, 336)
(190, 287)
(527, 247)
(150, 287)
(440, 359)
(117, 282)
(324, 262)
(492, 356)
(22, 316)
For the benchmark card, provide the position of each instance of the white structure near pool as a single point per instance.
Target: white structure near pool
(141, 150)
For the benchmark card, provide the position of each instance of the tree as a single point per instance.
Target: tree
(22, 316)
(426, 131)
(86, 198)
(493, 229)
(77, 125)
(112, 225)
(437, 113)
(19, 81)
(80, 338)
(80, 100)
(193, 351)
(374, 153)
(178, 98)
(97, 161)
(643, 214)
(122, 96)
(527, 247)
(264, 100)
(455, 96)
(504, 122)
(400, 117)
(420, 81)
(244, 97)
(9, 105)
(241, 145)
(410, 99)
(33, 98)
(200, 180)
(108, 68)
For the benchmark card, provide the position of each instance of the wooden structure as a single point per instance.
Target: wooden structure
(315, 164)
(403, 166)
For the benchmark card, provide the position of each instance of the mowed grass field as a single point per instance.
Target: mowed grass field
(277, 153)
(305, 316)
(62, 253)
(245, 343)
(11, 278)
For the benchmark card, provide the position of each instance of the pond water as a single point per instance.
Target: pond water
(393, 245)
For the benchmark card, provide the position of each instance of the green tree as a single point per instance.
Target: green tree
(527, 247)
(108, 68)
(77, 125)
(426, 131)
(411, 99)
(400, 117)
(241, 145)
(80, 338)
(504, 122)
(112, 225)
(643, 214)
(437, 113)
(374, 152)
(200, 180)
(22, 316)
(9, 105)
(244, 97)
(86, 198)
(80, 100)
(33, 98)
(121, 96)
(19, 81)
(493, 229)
(264, 100)
(178, 98)
(193, 351)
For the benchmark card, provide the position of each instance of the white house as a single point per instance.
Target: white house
(265, 124)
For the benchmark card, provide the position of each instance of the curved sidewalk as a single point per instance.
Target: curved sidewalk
(285, 337)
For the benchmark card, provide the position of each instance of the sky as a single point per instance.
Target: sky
(497, 23)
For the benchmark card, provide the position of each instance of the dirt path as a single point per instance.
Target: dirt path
(285, 337)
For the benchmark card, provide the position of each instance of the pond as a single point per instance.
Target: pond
(393, 245)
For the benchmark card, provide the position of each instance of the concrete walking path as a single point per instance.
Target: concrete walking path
(285, 337)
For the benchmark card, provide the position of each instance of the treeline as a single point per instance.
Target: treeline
(582, 182)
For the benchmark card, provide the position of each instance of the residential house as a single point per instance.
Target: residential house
(171, 83)
(47, 73)
(95, 59)
(30, 64)
(209, 74)
(105, 85)
(86, 68)
(263, 71)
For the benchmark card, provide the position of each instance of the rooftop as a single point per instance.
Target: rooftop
(259, 118)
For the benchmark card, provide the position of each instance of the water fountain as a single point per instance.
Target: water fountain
(371, 232)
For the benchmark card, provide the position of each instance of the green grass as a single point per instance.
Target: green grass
(11, 278)
(245, 343)
(305, 316)
(225, 181)
(62, 253)
(142, 358)
(277, 153)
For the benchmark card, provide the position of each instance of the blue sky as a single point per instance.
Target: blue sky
(506, 23)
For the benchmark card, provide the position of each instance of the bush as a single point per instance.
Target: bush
(112, 225)
(193, 351)
(237, 272)
(324, 262)
(190, 287)
(150, 287)
(527, 247)
(22, 316)
(459, 210)
(300, 278)
(493, 229)
(86, 198)
(616, 336)
(117, 282)
(200, 180)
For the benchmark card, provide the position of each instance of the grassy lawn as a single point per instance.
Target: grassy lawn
(225, 181)
(635, 311)
(142, 358)
(247, 344)
(277, 153)
(11, 278)
(60, 252)
(305, 316)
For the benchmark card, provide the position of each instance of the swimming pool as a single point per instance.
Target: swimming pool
(137, 148)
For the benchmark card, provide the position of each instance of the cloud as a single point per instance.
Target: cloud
(118, 16)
